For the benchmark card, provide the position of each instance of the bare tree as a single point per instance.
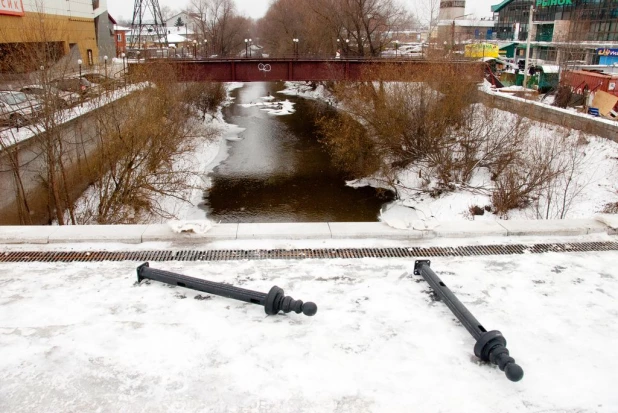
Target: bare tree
(218, 22)
(363, 27)
(167, 12)
(427, 13)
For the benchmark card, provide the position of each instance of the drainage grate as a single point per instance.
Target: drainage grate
(279, 254)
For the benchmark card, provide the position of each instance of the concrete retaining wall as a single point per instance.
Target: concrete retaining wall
(542, 113)
(79, 141)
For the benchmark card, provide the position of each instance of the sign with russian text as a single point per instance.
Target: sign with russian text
(607, 52)
(547, 3)
(12, 7)
(481, 50)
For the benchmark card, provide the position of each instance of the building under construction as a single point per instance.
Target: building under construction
(36, 33)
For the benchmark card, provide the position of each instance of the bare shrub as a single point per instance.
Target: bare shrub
(483, 139)
(610, 208)
(476, 210)
(563, 96)
(540, 162)
(406, 121)
(206, 97)
(432, 123)
(558, 196)
(350, 147)
(141, 161)
(511, 191)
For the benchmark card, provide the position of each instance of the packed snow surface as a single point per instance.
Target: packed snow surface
(84, 337)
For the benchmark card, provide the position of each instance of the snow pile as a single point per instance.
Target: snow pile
(194, 227)
(515, 88)
(401, 216)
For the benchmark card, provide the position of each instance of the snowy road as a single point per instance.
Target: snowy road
(82, 337)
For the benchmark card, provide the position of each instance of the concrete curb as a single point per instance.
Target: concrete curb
(136, 234)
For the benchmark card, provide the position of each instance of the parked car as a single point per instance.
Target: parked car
(58, 98)
(106, 82)
(79, 85)
(17, 109)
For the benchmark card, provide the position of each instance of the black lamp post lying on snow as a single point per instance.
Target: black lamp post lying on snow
(490, 345)
(273, 302)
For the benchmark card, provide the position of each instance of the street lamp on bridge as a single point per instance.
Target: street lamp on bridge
(396, 48)
(295, 44)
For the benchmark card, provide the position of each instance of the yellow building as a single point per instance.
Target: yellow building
(35, 33)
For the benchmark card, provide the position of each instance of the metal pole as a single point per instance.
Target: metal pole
(124, 68)
(490, 345)
(273, 302)
(528, 46)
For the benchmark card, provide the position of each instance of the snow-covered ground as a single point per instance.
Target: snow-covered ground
(84, 337)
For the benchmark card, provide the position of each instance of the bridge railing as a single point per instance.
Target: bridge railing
(307, 68)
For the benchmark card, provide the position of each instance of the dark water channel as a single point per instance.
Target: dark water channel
(279, 172)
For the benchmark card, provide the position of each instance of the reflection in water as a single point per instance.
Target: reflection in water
(279, 172)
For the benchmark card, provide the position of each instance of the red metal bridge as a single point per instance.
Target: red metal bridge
(303, 69)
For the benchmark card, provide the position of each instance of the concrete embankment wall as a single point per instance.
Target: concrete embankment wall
(79, 141)
(543, 113)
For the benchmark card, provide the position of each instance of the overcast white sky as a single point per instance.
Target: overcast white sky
(120, 9)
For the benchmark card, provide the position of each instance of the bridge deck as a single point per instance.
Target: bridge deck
(302, 69)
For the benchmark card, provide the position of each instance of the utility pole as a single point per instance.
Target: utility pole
(525, 84)
(147, 16)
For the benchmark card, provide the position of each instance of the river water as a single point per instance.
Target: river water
(279, 172)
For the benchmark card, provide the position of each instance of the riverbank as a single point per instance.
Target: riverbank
(592, 189)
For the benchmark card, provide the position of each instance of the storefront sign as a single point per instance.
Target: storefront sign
(547, 3)
(607, 52)
(12, 7)
(481, 50)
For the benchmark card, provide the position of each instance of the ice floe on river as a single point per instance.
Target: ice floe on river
(271, 106)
